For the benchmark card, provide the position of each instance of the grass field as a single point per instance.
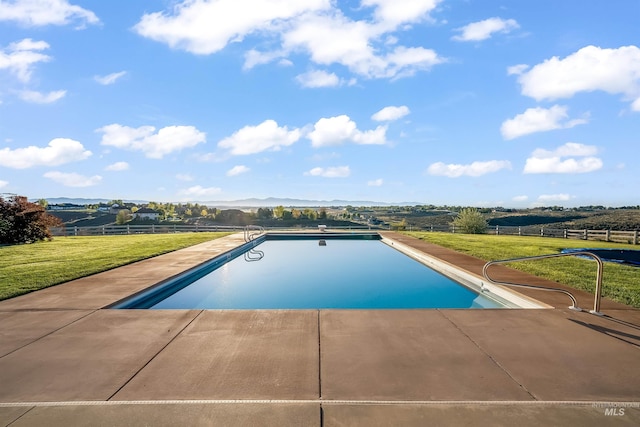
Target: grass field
(620, 282)
(25, 268)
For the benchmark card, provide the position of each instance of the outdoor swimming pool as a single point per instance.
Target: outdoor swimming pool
(312, 273)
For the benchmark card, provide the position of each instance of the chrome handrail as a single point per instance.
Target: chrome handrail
(248, 236)
(248, 256)
(574, 306)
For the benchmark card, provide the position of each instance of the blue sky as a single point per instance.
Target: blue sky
(460, 102)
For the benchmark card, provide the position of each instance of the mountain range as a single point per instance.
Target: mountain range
(245, 203)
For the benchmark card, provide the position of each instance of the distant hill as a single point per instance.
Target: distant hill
(275, 201)
(243, 203)
(81, 201)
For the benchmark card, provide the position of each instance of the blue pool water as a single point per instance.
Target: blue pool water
(312, 274)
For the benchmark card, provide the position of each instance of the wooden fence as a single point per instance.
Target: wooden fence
(629, 237)
(107, 230)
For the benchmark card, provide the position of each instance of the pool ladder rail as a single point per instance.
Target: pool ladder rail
(574, 303)
(253, 254)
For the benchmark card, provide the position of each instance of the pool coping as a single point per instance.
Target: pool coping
(61, 346)
(473, 281)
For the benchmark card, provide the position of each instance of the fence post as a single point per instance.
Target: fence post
(453, 229)
(635, 237)
(75, 231)
(103, 230)
(128, 229)
(497, 230)
(519, 231)
(564, 233)
(607, 236)
(153, 228)
(431, 227)
(586, 234)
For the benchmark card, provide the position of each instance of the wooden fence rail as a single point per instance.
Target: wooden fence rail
(630, 237)
(107, 230)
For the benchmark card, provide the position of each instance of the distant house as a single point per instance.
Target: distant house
(146, 213)
(115, 208)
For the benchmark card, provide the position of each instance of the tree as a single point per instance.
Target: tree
(470, 221)
(24, 222)
(310, 214)
(278, 211)
(264, 213)
(122, 217)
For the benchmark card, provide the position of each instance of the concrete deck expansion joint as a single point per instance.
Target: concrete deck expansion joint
(64, 359)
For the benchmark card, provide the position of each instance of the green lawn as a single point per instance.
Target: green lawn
(620, 282)
(25, 268)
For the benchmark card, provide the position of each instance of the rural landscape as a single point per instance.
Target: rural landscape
(488, 234)
(416, 217)
(319, 213)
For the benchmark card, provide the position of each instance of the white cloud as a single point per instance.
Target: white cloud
(538, 120)
(517, 69)
(117, 166)
(254, 57)
(255, 139)
(482, 30)
(36, 13)
(184, 177)
(59, 151)
(199, 191)
(375, 183)
(544, 161)
(318, 78)
(3, 183)
(237, 170)
(615, 71)
(20, 57)
(73, 179)
(563, 197)
(390, 113)
(330, 172)
(317, 28)
(391, 13)
(205, 27)
(520, 198)
(338, 129)
(568, 149)
(474, 169)
(42, 98)
(109, 79)
(153, 145)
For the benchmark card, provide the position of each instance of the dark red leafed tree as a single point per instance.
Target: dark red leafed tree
(24, 222)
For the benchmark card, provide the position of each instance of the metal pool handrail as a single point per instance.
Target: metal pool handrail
(248, 236)
(574, 305)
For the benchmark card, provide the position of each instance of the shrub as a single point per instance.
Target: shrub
(470, 221)
(24, 222)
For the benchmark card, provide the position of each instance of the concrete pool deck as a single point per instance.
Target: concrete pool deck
(64, 360)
